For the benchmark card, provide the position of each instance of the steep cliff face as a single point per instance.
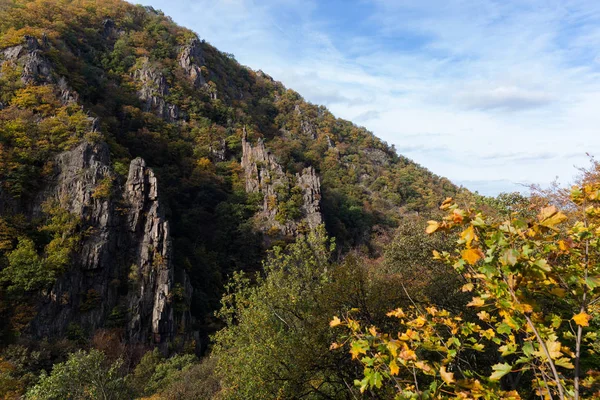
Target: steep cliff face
(153, 90)
(265, 176)
(149, 235)
(121, 274)
(192, 60)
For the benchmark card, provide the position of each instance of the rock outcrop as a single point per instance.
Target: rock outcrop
(153, 90)
(191, 60)
(151, 244)
(265, 175)
(122, 268)
(36, 67)
(306, 125)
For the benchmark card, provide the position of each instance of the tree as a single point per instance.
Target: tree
(84, 376)
(535, 284)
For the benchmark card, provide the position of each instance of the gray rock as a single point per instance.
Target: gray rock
(191, 60)
(37, 69)
(376, 156)
(150, 306)
(153, 91)
(264, 174)
(125, 244)
(307, 126)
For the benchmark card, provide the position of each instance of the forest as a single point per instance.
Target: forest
(175, 225)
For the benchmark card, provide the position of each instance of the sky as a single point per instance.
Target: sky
(492, 94)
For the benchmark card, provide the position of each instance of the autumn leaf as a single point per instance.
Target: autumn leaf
(398, 313)
(394, 368)
(359, 347)
(550, 217)
(432, 227)
(418, 322)
(582, 319)
(335, 322)
(448, 377)
(467, 287)
(471, 255)
(406, 353)
(476, 302)
(447, 203)
(468, 235)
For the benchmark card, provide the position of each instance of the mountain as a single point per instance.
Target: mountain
(140, 167)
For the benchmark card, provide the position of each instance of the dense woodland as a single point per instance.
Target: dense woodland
(411, 288)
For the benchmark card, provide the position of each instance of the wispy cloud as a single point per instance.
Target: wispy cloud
(509, 89)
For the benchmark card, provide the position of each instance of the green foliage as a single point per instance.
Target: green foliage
(272, 335)
(26, 270)
(534, 285)
(85, 375)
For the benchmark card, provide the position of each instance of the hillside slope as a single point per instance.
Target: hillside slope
(151, 114)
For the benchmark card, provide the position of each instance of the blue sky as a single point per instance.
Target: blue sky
(491, 94)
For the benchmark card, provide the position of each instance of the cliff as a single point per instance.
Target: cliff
(122, 268)
(264, 175)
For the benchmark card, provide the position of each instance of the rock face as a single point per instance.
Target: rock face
(264, 175)
(121, 274)
(191, 60)
(36, 68)
(153, 90)
(149, 235)
(308, 128)
(29, 56)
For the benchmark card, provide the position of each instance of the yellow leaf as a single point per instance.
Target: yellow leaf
(562, 245)
(406, 353)
(418, 322)
(423, 367)
(398, 313)
(553, 348)
(467, 287)
(471, 255)
(582, 319)
(476, 302)
(558, 292)
(392, 346)
(550, 216)
(432, 227)
(484, 316)
(394, 368)
(468, 235)
(431, 310)
(373, 331)
(335, 322)
(447, 203)
(448, 377)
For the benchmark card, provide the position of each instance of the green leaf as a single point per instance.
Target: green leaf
(499, 371)
(593, 282)
(504, 328)
(543, 265)
(528, 349)
(564, 362)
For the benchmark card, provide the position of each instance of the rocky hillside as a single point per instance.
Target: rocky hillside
(140, 167)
